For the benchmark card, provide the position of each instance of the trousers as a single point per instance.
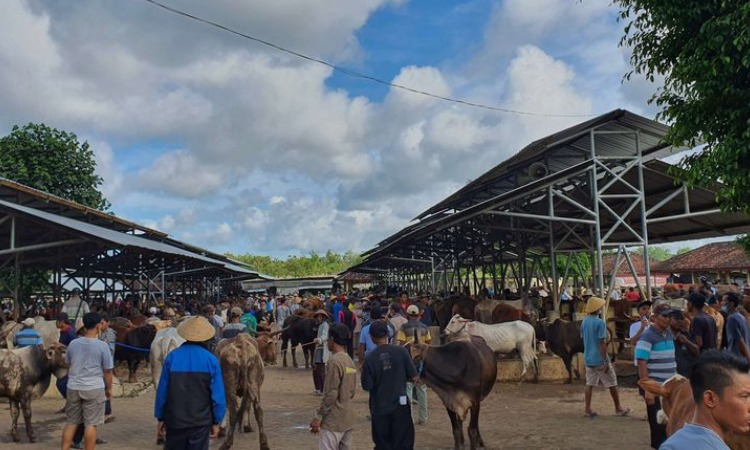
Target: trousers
(421, 399)
(193, 438)
(658, 431)
(333, 440)
(319, 376)
(394, 431)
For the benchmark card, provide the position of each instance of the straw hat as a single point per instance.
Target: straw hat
(594, 304)
(196, 329)
(588, 292)
(320, 312)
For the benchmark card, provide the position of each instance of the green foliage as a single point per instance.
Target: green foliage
(52, 161)
(744, 241)
(683, 250)
(657, 253)
(313, 264)
(702, 48)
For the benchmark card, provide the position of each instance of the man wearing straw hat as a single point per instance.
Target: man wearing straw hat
(190, 402)
(320, 357)
(599, 370)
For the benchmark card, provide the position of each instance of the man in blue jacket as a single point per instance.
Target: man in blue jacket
(190, 402)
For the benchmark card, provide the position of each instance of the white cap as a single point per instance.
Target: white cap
(412, 310)
(29, 322)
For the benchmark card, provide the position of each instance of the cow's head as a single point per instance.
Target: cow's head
(457, 325)
(267, 347)
(56, 358)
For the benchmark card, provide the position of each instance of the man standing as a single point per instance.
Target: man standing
(320, 357)
(738, 335)
(190, 402)
(685, 350)
(405, 334)
(347, 318)
(384, 375)
(366, 344)
(599, 370)
(702, 327)
(28, 335)
(234, 327)
(334, 419)
(282, 312)
(721, 387)
(248, 319)
(108, 336)
(89, 383)
(397, 318)
(426, 311)
(75, 307)
(656, 361)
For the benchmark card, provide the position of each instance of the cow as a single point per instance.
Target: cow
(24, 375)
(564, 339)
(135, 347)
(300, 331)
(678, 407)
(242, 372)
(462, 373)
(47, 329)
(505, 313)
(164, 342)
(312, 304)
(447, 308)
(502, 338)
(267, 346)
(483, 310)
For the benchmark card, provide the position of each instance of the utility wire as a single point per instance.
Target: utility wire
(354, 74)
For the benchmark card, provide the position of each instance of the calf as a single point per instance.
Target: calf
(25, 374)
(462, 373)
(502, 338)
(300, 331)
(242, 371)
(678, 408)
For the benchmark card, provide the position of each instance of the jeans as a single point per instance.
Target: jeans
(421, 399)
(394, 431)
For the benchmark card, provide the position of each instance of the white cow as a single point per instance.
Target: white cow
(47, 329)
(164, 342)
(500, 337)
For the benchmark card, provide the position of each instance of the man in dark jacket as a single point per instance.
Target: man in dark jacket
(190, 402)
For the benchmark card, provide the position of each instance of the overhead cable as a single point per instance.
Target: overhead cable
(354, 74)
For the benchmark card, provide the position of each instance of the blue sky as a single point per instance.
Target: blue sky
(237, 147)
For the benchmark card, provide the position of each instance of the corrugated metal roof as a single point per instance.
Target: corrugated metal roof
(715, 257)
(572, 142)
(116, 238)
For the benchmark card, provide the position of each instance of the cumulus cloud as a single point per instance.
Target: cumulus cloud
(249, 149)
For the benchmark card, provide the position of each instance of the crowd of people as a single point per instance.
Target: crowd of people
(668, 342)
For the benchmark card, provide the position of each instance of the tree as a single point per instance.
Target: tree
(53, 161)
(313, 264)
(655, 252)
(702, 49)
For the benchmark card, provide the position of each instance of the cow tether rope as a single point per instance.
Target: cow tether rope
(138, 349)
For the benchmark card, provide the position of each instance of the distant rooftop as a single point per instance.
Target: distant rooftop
(716, 257)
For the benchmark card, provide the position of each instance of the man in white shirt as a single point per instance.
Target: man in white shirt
(637, 328)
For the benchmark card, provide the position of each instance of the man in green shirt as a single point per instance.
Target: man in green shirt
(334, 419)
(249, 320)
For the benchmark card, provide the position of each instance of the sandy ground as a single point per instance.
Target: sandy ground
(514, 416)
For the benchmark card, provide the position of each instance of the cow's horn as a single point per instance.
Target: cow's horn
(416, 336)
(277, 332)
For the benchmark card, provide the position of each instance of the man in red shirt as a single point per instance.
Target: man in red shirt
(632, 295)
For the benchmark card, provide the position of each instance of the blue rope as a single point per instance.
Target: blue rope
(421, 366)
(138, 349)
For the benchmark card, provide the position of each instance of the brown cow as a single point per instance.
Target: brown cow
(312, 304)
(266, 342)
(462, 373)
(242, 371)
(135, 347)
(678, 407)
(506, 313)
(25, 374)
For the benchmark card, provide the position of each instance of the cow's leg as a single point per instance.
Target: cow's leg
(132, 367)
(14, 411)
(458, 434)
(262, 438)
(474, 438)
(284, 348)
(294, 355)
(247, 424)
(26, 409)
(566, 360)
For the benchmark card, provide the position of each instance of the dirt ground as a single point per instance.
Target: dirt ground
(514, 416)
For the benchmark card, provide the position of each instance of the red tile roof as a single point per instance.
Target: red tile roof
(638, 262)
(716, 257)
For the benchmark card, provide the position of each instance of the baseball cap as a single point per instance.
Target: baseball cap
(29, 322)
(236, 311)
(412, 310)
(378, 329)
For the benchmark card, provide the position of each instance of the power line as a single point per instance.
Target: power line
(354, 74)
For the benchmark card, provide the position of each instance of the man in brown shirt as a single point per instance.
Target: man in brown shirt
(334, 419)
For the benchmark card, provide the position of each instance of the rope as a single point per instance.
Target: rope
(138, 349)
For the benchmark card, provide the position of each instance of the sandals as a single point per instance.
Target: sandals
(624, 412)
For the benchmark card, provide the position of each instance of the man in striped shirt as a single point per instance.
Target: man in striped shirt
(655, 353)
